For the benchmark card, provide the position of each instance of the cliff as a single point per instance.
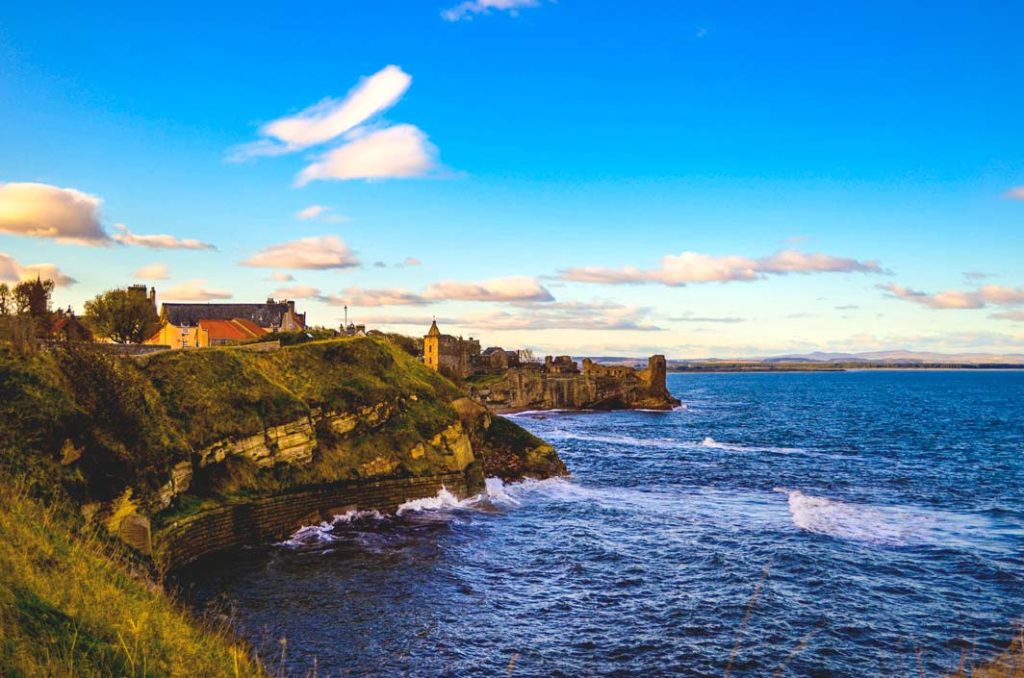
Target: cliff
(559, 384)
(159, 449)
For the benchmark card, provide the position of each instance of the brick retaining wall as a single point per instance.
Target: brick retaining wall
(275, 518)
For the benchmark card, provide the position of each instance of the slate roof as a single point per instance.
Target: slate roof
(264, 315)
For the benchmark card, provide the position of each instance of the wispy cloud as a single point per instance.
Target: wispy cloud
(45, 211)
(569, 315)
(315, 253)
(320, 213)
(194, 290)
(298, 292)
(469, 8)
(330, 118)
(409, 261)
(1016, 193)
(278, 276)
(1017, 316)
(694, 267)
(13, 271)
(368, 150)
(396, 152)
(158, 242)
(358, 296)
(513, 288)
(516, 289)
(153, 272)
(996, 295)
(690, 318)
(974, 276)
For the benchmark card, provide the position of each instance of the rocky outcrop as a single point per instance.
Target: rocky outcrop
(144, 445)
(559, 384)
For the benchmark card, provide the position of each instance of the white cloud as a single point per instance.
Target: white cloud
(153, 272)
(358, 296)
(158, 242)
(46, 211)
(1017, 316)
(566, 316)
(330, 118)
(1016, 193)
(316, 253)
(690, 318)
(278, 276)
(468, 8)
(297, 292)
(514, 288)
(694, 267)
(997, 295)
(13, 271)
(400, 151)
(194, 290)
(320, 213)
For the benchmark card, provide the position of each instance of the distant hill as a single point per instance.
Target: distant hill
(901, 356)
(869, 358)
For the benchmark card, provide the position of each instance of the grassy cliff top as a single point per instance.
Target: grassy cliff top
(99, 423)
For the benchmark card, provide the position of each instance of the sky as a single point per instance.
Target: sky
(700, 179)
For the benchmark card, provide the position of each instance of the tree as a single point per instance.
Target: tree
(5, 299)
(122, 316)
(32, 297)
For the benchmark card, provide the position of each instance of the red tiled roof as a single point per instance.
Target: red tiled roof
(238, 329)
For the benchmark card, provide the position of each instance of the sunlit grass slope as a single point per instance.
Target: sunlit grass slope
(73, 604)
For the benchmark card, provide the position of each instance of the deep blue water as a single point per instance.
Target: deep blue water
(864, 523)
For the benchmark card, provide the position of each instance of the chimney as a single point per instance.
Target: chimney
(152, 296)
(291, 306)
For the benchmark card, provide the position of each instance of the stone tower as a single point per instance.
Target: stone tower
(432, 348)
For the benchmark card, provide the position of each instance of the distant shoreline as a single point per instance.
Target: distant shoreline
(833, 367)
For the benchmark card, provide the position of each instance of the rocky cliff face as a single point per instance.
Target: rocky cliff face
(144, 446)
(558, 384)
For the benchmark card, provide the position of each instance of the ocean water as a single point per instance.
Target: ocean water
(822, 524)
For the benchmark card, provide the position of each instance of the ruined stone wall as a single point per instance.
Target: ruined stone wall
(275, 518)
(596, 387)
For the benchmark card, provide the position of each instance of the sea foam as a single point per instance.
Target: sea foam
(886, 525)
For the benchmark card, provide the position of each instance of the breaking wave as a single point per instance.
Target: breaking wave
(714, 444)
(885, 525)
(322, 533)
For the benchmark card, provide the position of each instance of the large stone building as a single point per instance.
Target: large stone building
(453, 357)
(202, 325)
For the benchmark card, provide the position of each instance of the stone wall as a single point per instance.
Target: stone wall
(560, 385)
(275, 518)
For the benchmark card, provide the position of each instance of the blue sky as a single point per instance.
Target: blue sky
(533, 164)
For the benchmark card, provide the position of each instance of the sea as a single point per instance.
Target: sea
(860, 523)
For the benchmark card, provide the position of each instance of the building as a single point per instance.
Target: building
(454, 357)
(67, 326)
(202, 325)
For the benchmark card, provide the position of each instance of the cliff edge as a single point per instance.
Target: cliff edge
(159, 450)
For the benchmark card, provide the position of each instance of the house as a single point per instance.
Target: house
(202, 325)
(67, 326)
(222, 332)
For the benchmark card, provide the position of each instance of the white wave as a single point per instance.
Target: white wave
(322, 533)
(444, 499)
(884, 525)
(660, 443)
(496, 491)
(714, 444)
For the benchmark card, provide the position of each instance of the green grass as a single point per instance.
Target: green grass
(74, 604)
